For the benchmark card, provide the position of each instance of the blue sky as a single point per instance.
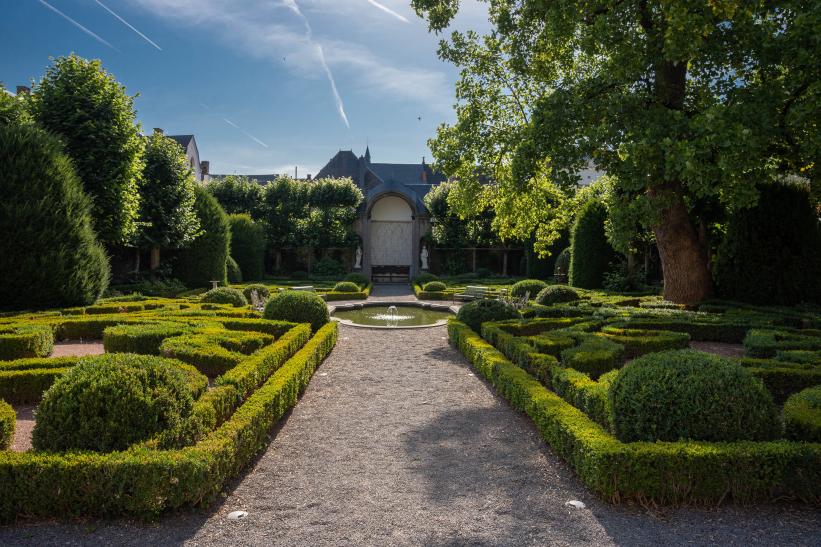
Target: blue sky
(263, 84)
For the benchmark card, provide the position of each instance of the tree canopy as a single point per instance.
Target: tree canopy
(167, 198)
(682, 103)
(94, 116)
(238, 194)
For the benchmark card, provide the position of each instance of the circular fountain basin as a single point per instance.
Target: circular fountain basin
(392, 315)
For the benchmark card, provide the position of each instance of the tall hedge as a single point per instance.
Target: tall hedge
(590, 252)
(248, 246)
(204, 259)
(90, 111)
(772, 252)
(50, 253)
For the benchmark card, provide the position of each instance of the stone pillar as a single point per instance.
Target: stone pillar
(415, 250)
(366, 246)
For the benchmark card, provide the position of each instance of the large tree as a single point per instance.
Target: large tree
(94, 116)
(238, 194)
(167, 216)
(683, 102)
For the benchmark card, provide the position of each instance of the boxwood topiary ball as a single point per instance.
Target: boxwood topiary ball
(109, 402)
(686, 394)
(425, 277)
(225, 295)
(346, 286)
(299, 307)
(434, 286)
(532, 286)
(554, 294)
(357, 278)
(473, 314)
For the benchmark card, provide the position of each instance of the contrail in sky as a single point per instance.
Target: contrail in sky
(244, 132)
(340, 106)
(126, 23)
(76, 24)
(388, 10)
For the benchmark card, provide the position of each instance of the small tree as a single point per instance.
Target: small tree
(238, 194)
(590, 252)
(90, 111)
(167, 215)
(204, 259)
(50, 254)
(248, 246)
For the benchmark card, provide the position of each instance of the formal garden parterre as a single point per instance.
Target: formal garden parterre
(145, 444)
(613, 390)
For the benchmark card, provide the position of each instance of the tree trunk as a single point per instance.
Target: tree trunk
(683, 253)
(155, 258)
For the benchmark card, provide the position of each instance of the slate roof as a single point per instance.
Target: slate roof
(182, 140)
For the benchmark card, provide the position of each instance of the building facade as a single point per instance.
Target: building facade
(393, 219)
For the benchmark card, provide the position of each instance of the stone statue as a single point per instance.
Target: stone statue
(424, 257)
(358, 264)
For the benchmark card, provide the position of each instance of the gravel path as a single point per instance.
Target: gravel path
(78, 348)
(397, 442)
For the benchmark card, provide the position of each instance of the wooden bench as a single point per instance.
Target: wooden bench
(472, 292)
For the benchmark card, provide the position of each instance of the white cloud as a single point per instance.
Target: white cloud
(272, 31)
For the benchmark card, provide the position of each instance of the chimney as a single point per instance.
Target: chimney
(158, 130)
(309, 176)
(204, 166)
(23, 90)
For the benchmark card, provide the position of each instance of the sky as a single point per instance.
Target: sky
(264, 85)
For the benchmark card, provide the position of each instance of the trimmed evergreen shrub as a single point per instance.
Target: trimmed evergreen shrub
(225, 295)
(298, 307)
(425, 277)
(19, 341)
(205, 258)
(686, 394)
(477, 312)
(802, 415)
(434, 286)
(357, 278)
(50, 253)
(248, 246)
(590, 252)
(144, 339)
(78, 101)
(346, 286)
(233, 270)
(772, 252)
(555, 294)
(532, 286)
(328, 267)
(262, 291)
(8, 419)
(111, 401)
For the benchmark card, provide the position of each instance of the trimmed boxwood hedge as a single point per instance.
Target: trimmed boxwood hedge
(555, 294)
(346, 286)
(110, 401)
(434, 286)
(144, 339)
(8, 421)
(299, 307)
(214, 351)
(225, 295)
(802, 415)
(480, 311)
(25, 341)
(532, 286)
(661, 472)
(146, 482)
(686, 394)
